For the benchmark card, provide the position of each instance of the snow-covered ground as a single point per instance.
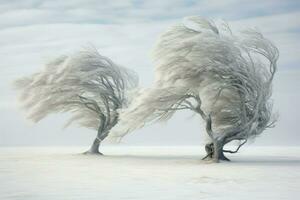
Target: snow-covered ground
(147, 173)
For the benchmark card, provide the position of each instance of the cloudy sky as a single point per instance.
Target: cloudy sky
(32, 32)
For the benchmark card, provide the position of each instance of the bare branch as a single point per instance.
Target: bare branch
(238, 148)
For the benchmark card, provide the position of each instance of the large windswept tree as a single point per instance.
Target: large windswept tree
(224, 77)
(88, 85)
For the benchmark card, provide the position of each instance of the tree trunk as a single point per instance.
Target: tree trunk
(218, 153)
(215, 152)
(101, 135)
(94, 148)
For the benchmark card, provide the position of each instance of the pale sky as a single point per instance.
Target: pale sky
(32, 32)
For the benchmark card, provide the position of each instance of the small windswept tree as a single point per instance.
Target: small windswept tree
(223, 77)
(88, 85)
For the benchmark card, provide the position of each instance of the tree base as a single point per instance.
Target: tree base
(92, 153)
(94, 149)
(214, 154)
(215, 160)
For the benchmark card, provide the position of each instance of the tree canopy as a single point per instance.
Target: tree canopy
(86, 84)
(224, 77)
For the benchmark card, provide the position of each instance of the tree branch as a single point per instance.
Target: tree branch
(229, 151)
